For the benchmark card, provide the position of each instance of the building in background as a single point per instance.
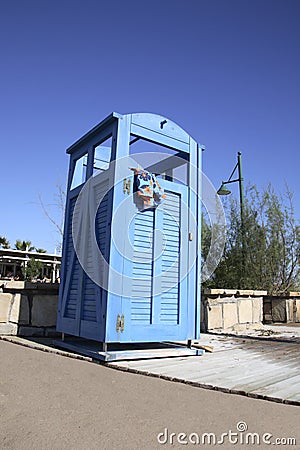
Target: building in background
(12, 262)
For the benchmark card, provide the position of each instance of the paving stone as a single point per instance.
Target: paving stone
(245, 292)
(31, 331)
(297, 311)
(214, 317)
(257, 310)
(19, 309)
(207, 291)
(244, 310)
(230, 316)
(5, 300)
(8, 329)
(44, 310)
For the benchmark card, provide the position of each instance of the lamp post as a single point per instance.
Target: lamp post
(225, 191)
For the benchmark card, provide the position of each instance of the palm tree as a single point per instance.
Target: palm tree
(4, 243)
(24, 246)
(40, 250)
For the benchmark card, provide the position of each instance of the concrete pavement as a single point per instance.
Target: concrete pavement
(48, 401)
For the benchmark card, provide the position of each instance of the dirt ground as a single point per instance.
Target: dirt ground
(48, 401)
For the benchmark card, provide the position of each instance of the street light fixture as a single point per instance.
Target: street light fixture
(223, 190)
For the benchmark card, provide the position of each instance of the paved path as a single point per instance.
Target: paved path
(51, 402)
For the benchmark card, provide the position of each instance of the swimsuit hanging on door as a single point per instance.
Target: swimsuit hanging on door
(148, 190)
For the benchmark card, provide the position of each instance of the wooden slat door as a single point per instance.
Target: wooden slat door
(83, 302)
(157, 263)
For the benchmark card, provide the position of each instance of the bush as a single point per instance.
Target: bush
(32, 269)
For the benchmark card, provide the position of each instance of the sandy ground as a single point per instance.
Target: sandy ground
(48, 401)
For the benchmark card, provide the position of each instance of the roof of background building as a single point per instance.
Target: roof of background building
(13, 255)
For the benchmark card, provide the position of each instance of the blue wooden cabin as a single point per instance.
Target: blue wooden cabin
(131, 274)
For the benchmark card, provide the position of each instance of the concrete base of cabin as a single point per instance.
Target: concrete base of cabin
(230, 309)
(28, 309)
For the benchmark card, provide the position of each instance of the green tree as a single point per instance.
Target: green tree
(4, 243)
(264, 251)
(282, 242)
(205, 236)
(25, 246)
(32, 269)
(40, 250)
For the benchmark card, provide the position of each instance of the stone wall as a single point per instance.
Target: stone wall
(230, 309)
(28, 309)
(284, 309)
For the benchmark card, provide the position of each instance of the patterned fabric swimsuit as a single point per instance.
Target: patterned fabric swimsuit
(148, 189)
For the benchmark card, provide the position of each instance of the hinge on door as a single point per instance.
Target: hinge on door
(120, 323)
(126, 186)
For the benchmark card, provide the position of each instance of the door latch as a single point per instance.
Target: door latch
(126, 186)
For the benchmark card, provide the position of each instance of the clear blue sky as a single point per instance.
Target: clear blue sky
(227, 71)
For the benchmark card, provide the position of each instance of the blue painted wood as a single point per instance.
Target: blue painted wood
(78, 314)
(96, 134)
(92, 350)
(116, 261)
(194, 297)
(163, 139)
(158, 304)
(160, 125)
(150, 259)
(93, 298)
(68, 321)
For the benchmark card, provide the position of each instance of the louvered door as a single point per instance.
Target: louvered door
(157, 262)
(83, 302)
